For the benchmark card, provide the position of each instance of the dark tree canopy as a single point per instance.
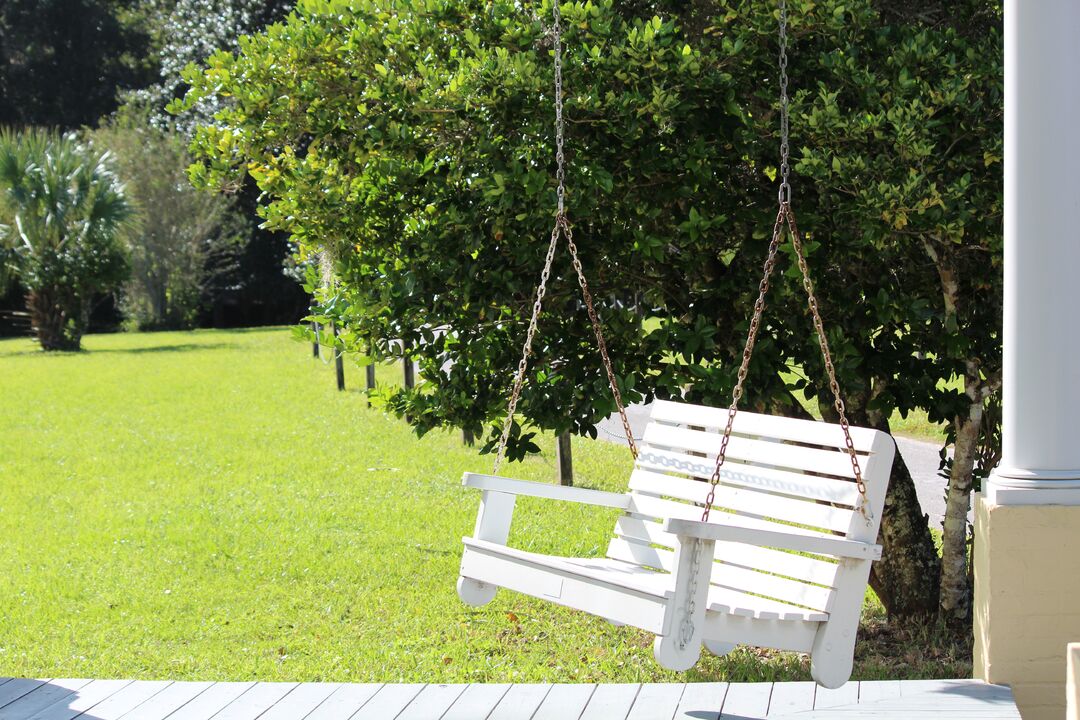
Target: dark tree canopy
(64, 62)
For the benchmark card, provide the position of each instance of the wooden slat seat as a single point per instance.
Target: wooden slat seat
(782, 562)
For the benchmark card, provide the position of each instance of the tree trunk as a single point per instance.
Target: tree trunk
(955, 606)
(50, 322)
(907, 575)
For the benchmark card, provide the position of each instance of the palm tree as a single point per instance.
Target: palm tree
(61, 212)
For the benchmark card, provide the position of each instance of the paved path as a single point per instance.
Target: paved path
(22, 699)
(921, 458)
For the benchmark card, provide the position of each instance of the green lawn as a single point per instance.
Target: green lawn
(206, 505)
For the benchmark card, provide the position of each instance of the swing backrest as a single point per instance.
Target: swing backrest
(779, 474)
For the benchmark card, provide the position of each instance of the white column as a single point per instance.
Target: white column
(1041, 401)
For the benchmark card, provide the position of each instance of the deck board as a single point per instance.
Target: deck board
(611, 702)
(168, 701)
(40, 698)
(432, 702)
(88, 696)
(68, 699)
(344, 702)
(656, 700)
(388, 702)
(477, 701)
(565, 701)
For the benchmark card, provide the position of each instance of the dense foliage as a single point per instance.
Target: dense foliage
(62, 209)
(412, 143)
(63, 62)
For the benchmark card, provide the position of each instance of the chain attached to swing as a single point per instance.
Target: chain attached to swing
(786, 217)
(562, 227)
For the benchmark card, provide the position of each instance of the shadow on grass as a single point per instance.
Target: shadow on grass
(179, 347)
(175, 348)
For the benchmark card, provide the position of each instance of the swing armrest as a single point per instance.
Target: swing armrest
(543, 490)
(796, 541)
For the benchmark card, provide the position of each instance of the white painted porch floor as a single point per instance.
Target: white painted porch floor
(24, 699)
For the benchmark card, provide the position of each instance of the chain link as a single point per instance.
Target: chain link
(526, 351)
(686, 627)
(826, 356)
(786, 216)
(562, 225)
(560, 158)
(748, 351)
(599, 332)
(785, 169)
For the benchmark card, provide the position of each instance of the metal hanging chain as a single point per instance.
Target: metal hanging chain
(519, 379)
(599, 332)
(562, 225)
(785, 169)
(786, 216)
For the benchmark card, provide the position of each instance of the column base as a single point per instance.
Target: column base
(1016, 486)
(1027, 600)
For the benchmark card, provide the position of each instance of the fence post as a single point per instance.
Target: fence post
(339, 361)
(564, 459)
(407, 366)
(369, 372)
(315, 342)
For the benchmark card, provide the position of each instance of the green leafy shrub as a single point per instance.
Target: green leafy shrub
(62, 208)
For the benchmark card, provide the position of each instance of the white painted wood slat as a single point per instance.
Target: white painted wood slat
(757, 452)
(543, 490)
(747, 700)
(432, 702)
(788, 509)
(650, 506)
(388, 702)
(846, 694)
(611, 702)
(701, 701)
(300, 701)
(733, 472)
(564, 701)
(628, 575)
(127, 699)
(738, 586)
(730, 601)
(344, 702)
(771, 586)
(86, 697)
(12, 691)
(477, 701)
(875, 690)
(806, 431)
(207, 703)
(40, 697)
(168, 701)
(802, 567)
(256, 700)
(656, 701)
(791, 697)
(520, 701)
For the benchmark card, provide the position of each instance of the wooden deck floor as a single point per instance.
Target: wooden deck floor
(23, 699)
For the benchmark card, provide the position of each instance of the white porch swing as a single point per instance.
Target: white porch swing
(784, 562)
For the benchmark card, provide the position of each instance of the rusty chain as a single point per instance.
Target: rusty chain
(562, 226)
(785, 216)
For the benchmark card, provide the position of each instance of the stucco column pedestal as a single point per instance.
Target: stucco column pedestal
(1027, 601)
